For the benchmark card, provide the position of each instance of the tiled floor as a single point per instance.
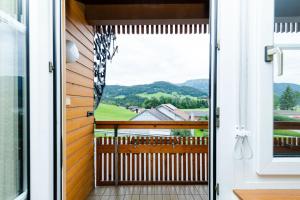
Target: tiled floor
(156, 192)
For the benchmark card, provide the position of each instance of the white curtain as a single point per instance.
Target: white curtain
(12, 102)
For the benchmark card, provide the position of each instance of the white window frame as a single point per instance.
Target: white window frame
(267, 164)
(41, 99)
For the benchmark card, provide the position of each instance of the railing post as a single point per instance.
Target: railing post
(116, 155)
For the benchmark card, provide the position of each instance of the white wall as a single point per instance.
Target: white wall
(233, 173)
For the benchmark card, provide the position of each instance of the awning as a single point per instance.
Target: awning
(149, 16)
(287, 16)
(172, 16)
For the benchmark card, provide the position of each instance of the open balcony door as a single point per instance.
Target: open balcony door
(213, 111)
(245, 98)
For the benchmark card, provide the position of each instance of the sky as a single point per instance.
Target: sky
(175, 58)
(146, 58)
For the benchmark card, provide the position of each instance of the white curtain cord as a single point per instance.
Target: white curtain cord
(242, 148)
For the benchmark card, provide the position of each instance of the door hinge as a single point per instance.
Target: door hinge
(218, 117)
(218, 45)
(51, 67)
(217, 189)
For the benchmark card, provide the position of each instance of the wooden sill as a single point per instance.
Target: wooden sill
(267, 194)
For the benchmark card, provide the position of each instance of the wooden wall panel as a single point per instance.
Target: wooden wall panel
(79, 157)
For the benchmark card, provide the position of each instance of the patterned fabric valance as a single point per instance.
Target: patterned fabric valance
(287, 24)
(156, 29)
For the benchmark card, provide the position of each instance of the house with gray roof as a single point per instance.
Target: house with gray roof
(164, 112)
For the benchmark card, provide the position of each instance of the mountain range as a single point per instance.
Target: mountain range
(156, 87)
(202, 85)
(193, 89)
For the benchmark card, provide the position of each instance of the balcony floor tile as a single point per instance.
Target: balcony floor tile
(156, 192)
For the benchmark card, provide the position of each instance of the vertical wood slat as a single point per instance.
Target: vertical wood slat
(105, 160)
(133, 160)
(119, 161)
(194, 161)
(147, 161)
(128, 162)
(170, 167)
(156, 161)
(189, 160)
(151, 161)
(109, 161)
(123, 160)
(179, 160)
(161, 161)
(203, 161)
(142, 163)
(175, 162)
(198, 162)
(138, 162)
(184, 161)
(99, 162)
(166, 162)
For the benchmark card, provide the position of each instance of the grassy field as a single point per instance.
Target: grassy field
(282, 118)
(290, 133)
(201, 133)
(106, 112)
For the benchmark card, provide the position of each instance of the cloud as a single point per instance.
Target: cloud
(148, 58)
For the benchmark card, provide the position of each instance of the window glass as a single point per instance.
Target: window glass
(286, 85)
(13, 99)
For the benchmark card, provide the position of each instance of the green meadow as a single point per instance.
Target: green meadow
(106, 112)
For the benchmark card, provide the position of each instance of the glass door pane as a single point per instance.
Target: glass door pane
(286, 85)
(13, 99)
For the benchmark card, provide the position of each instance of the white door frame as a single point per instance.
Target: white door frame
(41, 99)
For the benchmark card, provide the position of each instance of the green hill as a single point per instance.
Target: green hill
(106, 112)
(160, 86)
(136, 95)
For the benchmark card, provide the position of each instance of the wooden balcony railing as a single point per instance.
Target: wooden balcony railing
(152, 124)
(289, 145)
(151, 160)
(287, 125)
(177, 125)
(166, 160)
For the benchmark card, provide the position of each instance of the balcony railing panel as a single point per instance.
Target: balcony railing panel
(152, 160)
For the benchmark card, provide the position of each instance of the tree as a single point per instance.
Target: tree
(276, 102)
(288, 99)
(181, 132)
(151, 103)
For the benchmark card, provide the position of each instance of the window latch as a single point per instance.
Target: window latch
(218, 117)
(271, 51)
(51, 67)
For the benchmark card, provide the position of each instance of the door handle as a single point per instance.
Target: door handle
(277, 50)
(89, 113)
